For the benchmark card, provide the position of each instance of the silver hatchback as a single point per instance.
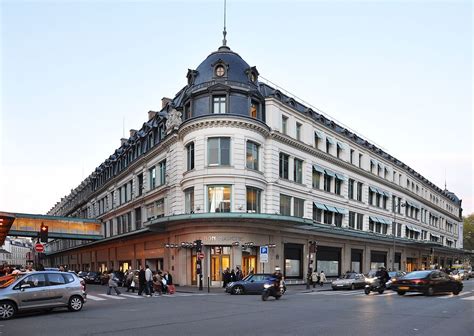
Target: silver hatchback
(40, 291)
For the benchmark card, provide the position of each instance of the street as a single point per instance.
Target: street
(299, 312)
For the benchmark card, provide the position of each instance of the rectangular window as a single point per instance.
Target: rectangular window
(252, 155)
(219, 198)
(187, 111)
(371, 197)
(298, 131)
(285, 205)
(140, 184)
(327, 183)
(298, 171)
(316, 179)
(284, 125)
(254, 109)
(317, 214)
(351, 189)
(138, 218)
(328, 145)
(359, 191)
(218, 104)
(316, 140)
(218, 151)
(284, 166)
(337, 186)
(327, 217)
(352, 219)
(190, 156)
(160, 208)
(338, 151)
(298, 207)
(152, 176)
(253, 200)
(360, 160)
(189, 200)
(162, 170)
(360, 221)
(352, 156)
(338, 219)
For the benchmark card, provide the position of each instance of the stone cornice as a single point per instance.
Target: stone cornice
(229, 120)
(329, 158)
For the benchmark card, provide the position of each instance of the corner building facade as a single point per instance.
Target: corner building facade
(239, 164)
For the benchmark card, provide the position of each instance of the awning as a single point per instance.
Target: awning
(342, 211)
(380, 165)
(340, 177)
(319, 206)
(380, 220)
(331, 208)
(318, 134)
(318, 169)
(330, 173)
(449, 240)
(341, 145)
(412, 228)
(373, 189)
(435, 235)
(432, 214)
(373, 162)
(330, 140)
(386, 193)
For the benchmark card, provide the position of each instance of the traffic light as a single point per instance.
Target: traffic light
(199, 245)
(43, 234)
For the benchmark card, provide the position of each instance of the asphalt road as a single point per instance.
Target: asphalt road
(297, 313)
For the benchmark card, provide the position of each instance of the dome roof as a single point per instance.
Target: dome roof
(236, 67)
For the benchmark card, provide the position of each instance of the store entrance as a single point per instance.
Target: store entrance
(411, 264)
(220, 260)
(249, 264)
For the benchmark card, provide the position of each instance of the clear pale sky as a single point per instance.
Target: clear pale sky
(74, 73)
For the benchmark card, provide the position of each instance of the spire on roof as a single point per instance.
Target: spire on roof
(224, 41)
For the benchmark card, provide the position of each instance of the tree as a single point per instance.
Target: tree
(468, 232)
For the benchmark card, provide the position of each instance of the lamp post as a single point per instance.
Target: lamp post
(394, 229)
(311, 249)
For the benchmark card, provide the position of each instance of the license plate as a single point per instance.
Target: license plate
(340, 285)
(403, 288)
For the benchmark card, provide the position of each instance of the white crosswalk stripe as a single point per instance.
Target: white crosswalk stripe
(132, 296)
(94, 298)
(471, 298)
(112, 296)
(453, 296)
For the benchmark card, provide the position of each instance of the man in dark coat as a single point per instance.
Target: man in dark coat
(142, 282)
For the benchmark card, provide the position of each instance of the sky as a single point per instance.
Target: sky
(76, 74)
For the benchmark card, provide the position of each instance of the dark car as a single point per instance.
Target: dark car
(394, 276)
(92, 278)
(251, 284)
(427, 282)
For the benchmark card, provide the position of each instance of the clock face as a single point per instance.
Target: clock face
(220, 71)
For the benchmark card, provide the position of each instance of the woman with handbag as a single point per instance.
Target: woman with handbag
(113, 283)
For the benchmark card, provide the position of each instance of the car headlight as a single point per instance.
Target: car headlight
(371, 280)
(267, 286)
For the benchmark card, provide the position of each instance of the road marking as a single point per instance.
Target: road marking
(468, 298)
(113, 297)
(132, 296)
(94, 298)
(351, 293)
(452, 295)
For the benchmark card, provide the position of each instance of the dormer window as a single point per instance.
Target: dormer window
(220, 71)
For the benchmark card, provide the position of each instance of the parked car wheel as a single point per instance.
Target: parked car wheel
(401, 293)
(430, 291)
(7, 310)
(238, 290)
(75, 303)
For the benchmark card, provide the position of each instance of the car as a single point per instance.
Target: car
(251, 284)
(93, 278)
(394, 275)
(427, 282)
(44, 290)
(349, 281)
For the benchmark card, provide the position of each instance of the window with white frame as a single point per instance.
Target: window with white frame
(219, 198)
(218, 151)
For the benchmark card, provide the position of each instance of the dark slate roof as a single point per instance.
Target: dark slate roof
(235, 72)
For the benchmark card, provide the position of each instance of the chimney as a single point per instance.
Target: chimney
(151, 114)
(165, 101)
(132, 132)
(123, 141)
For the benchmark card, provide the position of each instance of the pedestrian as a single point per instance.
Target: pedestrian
(157, 283)
(130, 281)
(225, 278)
(169, 282)
(322, 278)
(142, 282)
(314, 278)
(232, 276)
(112, 283)
(149, 279)
(238, 274)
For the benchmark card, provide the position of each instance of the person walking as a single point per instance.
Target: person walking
(158, 284)
(169, 282)
(112, 284)
(322, 278)
(238, 274)
(142, 282)
(233, 276)
(314, 278)
(149, 279)
(130, 282)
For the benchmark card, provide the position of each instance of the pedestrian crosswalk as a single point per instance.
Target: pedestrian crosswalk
(465, 295)
(123, 296)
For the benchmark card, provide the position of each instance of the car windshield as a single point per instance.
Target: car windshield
(7, 280)
(350, 276)
(392, 274)
(417, 275)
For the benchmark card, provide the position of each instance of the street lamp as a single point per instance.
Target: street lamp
(394, 228)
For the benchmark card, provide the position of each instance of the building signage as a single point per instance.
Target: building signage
(264, 254)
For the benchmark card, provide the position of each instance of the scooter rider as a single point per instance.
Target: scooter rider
(278, 277)
(383, 275)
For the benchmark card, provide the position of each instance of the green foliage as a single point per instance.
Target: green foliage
(468, 232)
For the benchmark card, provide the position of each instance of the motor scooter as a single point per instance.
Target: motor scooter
(271, 288)
(375, 285)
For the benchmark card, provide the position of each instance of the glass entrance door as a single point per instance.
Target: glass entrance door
(249, 264)
(220, 260)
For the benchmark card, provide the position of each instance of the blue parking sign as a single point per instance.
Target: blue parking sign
(263, 254)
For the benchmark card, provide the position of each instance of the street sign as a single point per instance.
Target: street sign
(263, 254)
(200, 256)
(39, 248)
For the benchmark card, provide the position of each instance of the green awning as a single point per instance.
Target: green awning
(342, 211)
(341, 145)
(331, 208)
(318, 134)
(330, 140)
(319, 206)
(330, 173)
(318, 169)
(340, 177)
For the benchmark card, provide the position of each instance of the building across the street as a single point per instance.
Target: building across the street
(239, 165)
(16, 252)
